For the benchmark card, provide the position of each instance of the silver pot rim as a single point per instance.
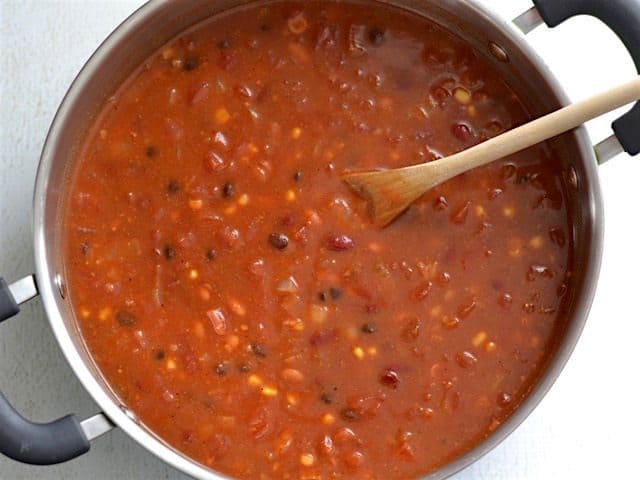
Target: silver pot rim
(47, 277)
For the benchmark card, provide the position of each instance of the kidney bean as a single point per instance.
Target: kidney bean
(390, 378)
(340, 243)
(278, 240)
(125, 318)
(466, 359)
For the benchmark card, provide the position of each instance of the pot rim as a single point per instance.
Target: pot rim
(144, 437)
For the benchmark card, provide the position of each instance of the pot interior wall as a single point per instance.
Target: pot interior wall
(155, 24)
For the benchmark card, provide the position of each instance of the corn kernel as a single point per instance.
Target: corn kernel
(204, 294)
(313, 217)
(318, 313)
(373, 351)
(307, 459)
(328, 419)
(193, 274)
(171, 364)
(103, 134)
(490, 347)
(243, 201)
(290, 196)
(222, 116)
(480, 211)
(85, 312)
(230, 210)
(296, 133)
(536, 242)
(269, 391)
(104, 313)
(472, 111)
(236, 307)
(195, 204)
(167, 53)
(375, 247)
(232, 342)
(254, 380)
(508, 212)
(295, 324)
(462, 95)
(198, 330)
(436, 311)
(292, 399)
(252, 148)
(479, 338)
(358, 352)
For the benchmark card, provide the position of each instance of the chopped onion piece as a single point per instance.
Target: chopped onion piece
(218, 320)
(288, 285)
(142, 341)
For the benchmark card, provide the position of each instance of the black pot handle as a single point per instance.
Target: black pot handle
(20, 439)
(623, 17)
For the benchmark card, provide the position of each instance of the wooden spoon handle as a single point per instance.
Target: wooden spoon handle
(535, 131)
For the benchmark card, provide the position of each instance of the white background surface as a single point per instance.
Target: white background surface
(588, 425)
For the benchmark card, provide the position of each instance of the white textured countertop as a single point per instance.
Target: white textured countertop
(587, 426)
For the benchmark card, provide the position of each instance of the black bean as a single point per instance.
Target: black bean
(211, 254)
(158, 354)
(258, 350)
(335, 293)
(322, 296)
(376, 36)
(244, 367)
(221, 369)
(224, 44)
(326, 398)
(190, 64)
(125, 318)
(169, 252)
(369, 328)
(298, 176)
(279, 240)
(349, 414)
(173, 186)
(227, 190)
(151, 151)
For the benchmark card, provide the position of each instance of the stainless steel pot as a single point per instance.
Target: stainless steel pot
(159, 21)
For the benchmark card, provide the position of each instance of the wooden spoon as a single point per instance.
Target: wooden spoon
(390, 192)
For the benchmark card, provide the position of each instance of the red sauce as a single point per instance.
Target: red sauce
(232, 289)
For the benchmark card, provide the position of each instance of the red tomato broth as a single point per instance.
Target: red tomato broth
(235, 294)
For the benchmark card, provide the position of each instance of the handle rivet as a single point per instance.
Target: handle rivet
(132, 416)
(498, 52)
(62, 289)
(572, 177)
